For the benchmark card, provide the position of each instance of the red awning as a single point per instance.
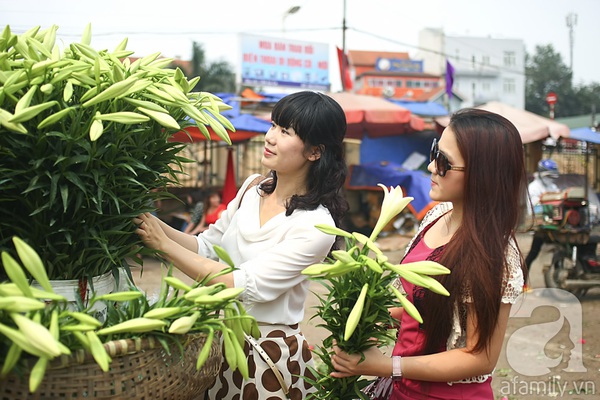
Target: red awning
(197, 136)
(375, 117)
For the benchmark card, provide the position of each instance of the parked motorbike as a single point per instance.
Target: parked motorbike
(565, 220)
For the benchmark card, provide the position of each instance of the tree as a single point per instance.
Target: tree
(546, 72)
(588, 98)
(214, 77)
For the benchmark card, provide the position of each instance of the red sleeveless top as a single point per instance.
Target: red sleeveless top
(214, 216)
(411, 341)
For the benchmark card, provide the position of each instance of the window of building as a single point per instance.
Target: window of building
(383, 83)
(485, 86)
(509, 85)
(510, 59)
(485, 59)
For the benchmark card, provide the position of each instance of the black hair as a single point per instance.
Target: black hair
(319, 121)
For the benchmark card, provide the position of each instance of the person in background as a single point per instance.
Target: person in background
(478, 176)
(269, 232)
(543, 182)
(195, 210)
(212, 210)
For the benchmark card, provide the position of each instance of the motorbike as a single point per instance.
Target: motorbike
(566, 222)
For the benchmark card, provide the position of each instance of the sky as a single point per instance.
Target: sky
(171, 26)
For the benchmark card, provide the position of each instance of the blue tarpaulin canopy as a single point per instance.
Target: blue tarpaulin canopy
(415, 184)
(396, 148)
(585, 135)
(427, 108)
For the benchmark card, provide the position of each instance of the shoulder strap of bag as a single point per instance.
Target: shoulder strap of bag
(255, 182)
(263, 354)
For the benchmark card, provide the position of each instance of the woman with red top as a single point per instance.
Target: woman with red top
(212, 211)
(478, 176)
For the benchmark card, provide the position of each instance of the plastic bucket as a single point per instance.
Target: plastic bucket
(75, 289)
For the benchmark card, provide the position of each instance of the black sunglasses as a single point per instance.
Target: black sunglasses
(442, 165)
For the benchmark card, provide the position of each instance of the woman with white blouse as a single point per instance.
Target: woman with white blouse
(269, 232)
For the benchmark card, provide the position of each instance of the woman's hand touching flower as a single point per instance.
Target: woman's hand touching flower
(150, 231)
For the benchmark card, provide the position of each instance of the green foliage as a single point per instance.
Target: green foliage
(37, 326)
(546, 72)
(360, 292)
(84, 146)
(216, 76)
(373, 328)
(355, 308)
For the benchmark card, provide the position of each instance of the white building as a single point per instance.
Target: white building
(486, 69)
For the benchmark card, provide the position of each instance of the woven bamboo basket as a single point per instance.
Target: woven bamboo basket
(140, 369)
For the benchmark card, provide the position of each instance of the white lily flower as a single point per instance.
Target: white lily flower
(393, 203)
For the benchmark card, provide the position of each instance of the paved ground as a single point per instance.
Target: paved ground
(551, 352)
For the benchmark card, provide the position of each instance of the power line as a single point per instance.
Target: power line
(267, 31)
(178, 33)
(440, 53)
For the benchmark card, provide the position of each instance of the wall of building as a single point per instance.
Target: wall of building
(486, 69)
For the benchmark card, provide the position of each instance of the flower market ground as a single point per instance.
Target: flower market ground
(551, 348)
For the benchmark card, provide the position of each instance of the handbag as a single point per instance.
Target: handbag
(379, 389)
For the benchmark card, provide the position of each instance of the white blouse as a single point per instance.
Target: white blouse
(269, 259)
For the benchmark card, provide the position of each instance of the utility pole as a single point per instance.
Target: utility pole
(344, 29)
(343, 58)
(571, 22)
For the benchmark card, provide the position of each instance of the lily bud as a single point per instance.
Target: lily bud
(182, 325)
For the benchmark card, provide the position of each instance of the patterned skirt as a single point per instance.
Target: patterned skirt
(288, 349)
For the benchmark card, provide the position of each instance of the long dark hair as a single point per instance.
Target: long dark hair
(494, 187)
(319, 121)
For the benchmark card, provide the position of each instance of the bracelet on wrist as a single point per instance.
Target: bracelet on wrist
(396, 367)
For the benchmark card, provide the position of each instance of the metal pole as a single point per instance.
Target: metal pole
(586, 192)
(571, 22)
(292, 10)
(343, 58)
(344, 29)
